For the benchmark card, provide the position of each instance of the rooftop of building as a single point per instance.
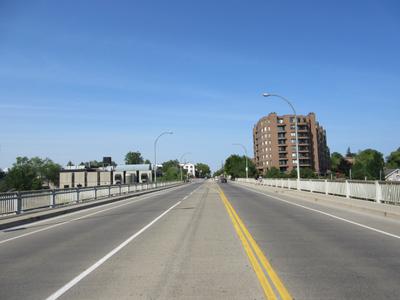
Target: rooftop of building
(139, 167)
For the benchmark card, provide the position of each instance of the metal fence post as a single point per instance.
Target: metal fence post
(109, 191)
(120, 190)
(95, 193)
(77, 195)
(347, 189)
(378, 192)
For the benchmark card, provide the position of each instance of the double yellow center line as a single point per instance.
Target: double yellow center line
(263, 269)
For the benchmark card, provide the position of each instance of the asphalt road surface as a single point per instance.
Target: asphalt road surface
(203, 241)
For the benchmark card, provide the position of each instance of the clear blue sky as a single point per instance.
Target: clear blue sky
(84, 79)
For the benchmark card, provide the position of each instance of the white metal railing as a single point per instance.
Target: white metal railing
(19, 202)
(378, 191)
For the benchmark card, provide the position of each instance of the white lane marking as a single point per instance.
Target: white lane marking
(85, 273)
(76, 219)
(326, 214)
(87, 209)
(184, 198)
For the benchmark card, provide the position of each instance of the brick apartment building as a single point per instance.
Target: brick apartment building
(274, 143)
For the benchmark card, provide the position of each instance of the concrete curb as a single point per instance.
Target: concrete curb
(30, 217)
(379, 209)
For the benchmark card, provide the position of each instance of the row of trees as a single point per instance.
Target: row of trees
(366, 164)
(36, 173)
(30, 174)
(171, 170)
(235, 166)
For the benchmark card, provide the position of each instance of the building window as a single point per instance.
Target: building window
(292, 134)
(293, 141)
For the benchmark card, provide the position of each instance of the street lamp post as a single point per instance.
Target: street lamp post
(180, 162)
(155, 154)
(247, 164)
(297, 138)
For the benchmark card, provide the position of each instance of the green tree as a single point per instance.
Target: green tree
(340, 164)
(147, 162)
(235, 166)
(368, 164)
(70, 164)
(344, 167)
(31, 174)
(133, 158)
(336, 158)
(202, 170)
(218, 172)
(171, 170)
(393, 160)
(307, 173)
(349, 153)
(274, 172)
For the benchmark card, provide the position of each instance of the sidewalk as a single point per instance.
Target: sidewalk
(29, 217)
(385, 210)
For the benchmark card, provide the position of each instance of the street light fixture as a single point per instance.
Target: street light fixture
(297, 138)
(180, 162)
(155, 154)
(245, 151)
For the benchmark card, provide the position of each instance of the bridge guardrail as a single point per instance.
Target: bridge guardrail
(378, 191)
(19, 202)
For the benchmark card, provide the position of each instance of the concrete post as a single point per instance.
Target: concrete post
(347, 189)
(95, 193)
(77, 195)
(19, 203)
(53, 199)
(378, 192)
(326, 187)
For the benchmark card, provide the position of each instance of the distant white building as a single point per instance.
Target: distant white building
(392, 175)
(190, 169)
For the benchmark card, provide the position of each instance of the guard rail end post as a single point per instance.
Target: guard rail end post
(378, 192)
(347, 189)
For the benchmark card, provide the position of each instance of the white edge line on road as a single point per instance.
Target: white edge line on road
(326, 214)
(85, 273)
(126, 202)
